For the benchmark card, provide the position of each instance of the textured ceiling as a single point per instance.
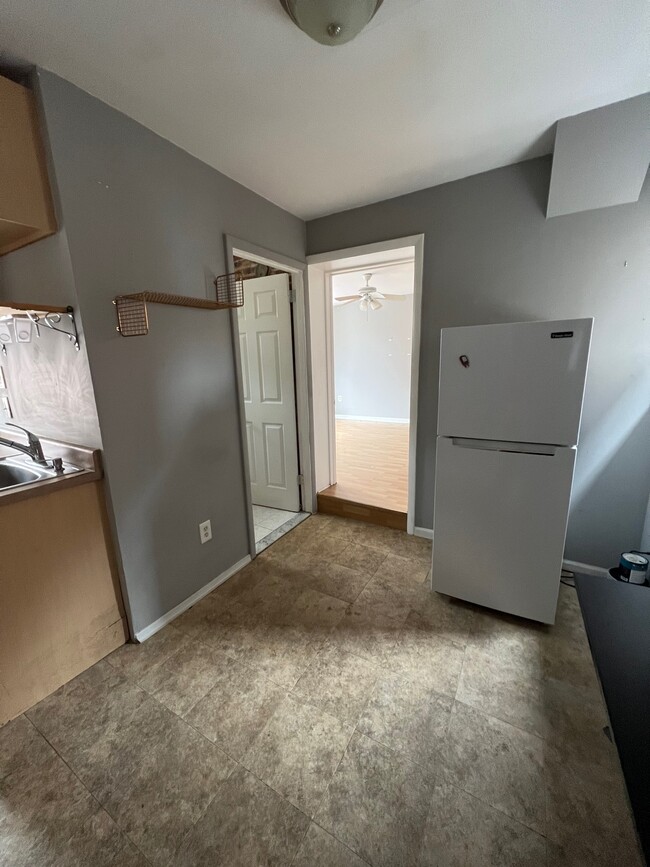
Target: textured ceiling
(431, 91)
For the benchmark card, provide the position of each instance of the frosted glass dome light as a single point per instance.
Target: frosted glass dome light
(331, 22)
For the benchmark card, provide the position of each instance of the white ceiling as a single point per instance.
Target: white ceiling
(367, 261)
(433, 89)
(396, 279)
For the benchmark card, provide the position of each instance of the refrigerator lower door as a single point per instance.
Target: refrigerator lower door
(500, 516)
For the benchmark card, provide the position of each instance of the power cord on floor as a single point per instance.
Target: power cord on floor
(567, 578)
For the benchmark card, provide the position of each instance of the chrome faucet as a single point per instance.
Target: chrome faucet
(34, 449)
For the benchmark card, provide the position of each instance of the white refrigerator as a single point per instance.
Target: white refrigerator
(509, 407)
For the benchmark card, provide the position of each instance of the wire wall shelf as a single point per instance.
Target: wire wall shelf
(132, 317)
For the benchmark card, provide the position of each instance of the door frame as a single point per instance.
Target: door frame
(302, 370)
(417, 242)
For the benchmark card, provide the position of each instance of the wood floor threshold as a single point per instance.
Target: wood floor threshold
(342, 508)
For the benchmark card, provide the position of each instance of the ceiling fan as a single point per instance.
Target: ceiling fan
(368, 296)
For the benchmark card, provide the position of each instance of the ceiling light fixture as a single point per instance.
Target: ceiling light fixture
(331, 22)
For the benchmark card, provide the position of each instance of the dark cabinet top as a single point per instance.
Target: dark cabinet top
(617, 620)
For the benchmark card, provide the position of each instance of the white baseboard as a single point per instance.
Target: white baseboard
(373, 418)
(423, 532)
(157, 625)
(585, 568)
(571, 565)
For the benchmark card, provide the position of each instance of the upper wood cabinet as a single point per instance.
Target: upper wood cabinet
(26, 211)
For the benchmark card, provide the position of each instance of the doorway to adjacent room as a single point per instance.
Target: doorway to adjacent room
(269, 397)
(368, 300)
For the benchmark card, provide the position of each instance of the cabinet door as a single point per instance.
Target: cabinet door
(500, 521)
(26, 212)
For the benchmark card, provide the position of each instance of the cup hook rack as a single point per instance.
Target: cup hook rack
(50, 317)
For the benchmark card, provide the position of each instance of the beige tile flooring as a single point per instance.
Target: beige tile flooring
(323, 708)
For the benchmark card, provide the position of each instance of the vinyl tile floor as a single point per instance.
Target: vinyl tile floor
(322, 707)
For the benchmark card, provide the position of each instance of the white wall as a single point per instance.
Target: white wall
(318, 301)
(372, 360)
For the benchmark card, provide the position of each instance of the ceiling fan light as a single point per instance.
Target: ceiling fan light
(363, 304)
(374, 304)
(331, 22)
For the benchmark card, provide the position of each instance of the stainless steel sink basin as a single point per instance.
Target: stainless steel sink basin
(23, 471)
(11, 475)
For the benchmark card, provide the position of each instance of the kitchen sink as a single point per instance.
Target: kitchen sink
(24, 471)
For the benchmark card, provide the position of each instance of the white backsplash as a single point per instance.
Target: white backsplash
(50, 391)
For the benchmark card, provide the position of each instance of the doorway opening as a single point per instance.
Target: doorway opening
(266, 352)
(369, 301)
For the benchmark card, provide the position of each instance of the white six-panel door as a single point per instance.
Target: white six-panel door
(266, 348)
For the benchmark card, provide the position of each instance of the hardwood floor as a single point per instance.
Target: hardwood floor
(371, 464)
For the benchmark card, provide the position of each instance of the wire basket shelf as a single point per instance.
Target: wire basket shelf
(132, 317)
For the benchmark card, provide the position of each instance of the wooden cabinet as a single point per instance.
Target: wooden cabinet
(60, 607)
(26, 211)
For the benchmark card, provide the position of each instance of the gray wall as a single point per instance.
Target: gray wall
(372, 359)
(491, 256)
(140, 214)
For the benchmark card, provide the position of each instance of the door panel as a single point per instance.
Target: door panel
(274, 456)
(522, 382)
(265, 340)
(268, 354)
(265, 304)
(499, 526)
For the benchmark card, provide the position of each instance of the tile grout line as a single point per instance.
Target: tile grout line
(334, 837)
(336, 770)
(122, 831)
(441, 778)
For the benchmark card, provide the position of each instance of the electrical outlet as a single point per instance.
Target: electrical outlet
(205, 531)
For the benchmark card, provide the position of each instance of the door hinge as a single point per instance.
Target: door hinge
(301, 479)
(292, 296)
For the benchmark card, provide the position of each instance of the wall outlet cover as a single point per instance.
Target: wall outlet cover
(205, 532)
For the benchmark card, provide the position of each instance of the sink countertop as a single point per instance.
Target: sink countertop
(87, 460)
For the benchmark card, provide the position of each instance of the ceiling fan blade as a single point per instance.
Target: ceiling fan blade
(378, 294)
(339, 303)
(347, 298)
(395, 297)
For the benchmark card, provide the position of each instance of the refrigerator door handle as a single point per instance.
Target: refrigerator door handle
(540, 449)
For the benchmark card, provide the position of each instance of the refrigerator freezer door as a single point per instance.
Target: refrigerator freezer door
(522, 382)
(499, 524)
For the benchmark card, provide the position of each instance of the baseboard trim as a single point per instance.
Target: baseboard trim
(585, 568)
(373, 418)
(157, 625)
(423, 532)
